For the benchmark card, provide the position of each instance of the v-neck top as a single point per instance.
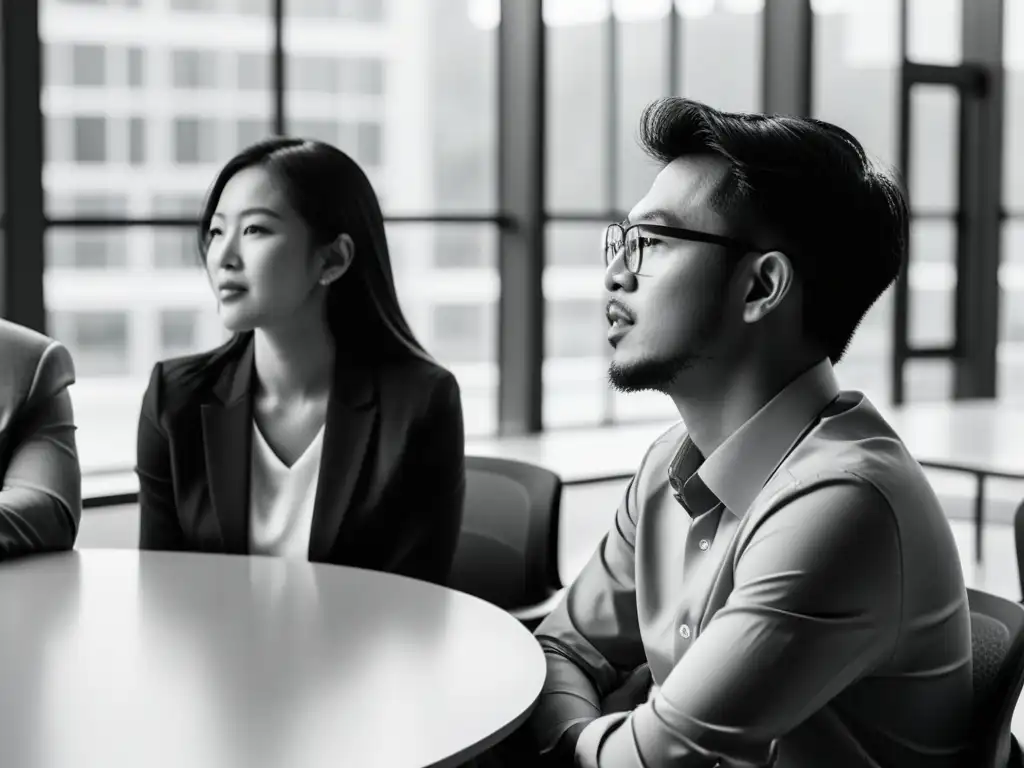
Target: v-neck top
(281, 498)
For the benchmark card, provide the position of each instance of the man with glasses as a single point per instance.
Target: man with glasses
(780, 585)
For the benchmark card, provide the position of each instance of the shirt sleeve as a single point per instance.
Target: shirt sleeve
(591, 640)
(816, 605)
(41, 495)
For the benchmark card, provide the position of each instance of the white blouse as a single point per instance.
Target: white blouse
(281, 498)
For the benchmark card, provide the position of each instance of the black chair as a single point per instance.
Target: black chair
(997, 647)
(507, 553)
(1018, 533)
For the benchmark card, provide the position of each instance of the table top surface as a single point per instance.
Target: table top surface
(119, 657)
(983, 434)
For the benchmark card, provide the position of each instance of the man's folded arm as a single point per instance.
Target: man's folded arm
(591, 640)
(815, 605)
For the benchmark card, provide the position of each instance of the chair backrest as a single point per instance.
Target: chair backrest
(507, 552)
(1018, 531)
(997, 648)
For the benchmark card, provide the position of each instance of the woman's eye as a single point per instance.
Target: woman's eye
(213, 232)
(647, 242)
(254, 229)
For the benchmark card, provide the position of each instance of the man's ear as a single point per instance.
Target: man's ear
(769, 281)
(337, 257)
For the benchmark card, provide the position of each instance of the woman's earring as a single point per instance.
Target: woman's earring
(325, 280)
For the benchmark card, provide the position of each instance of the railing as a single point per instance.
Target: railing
(981, 474)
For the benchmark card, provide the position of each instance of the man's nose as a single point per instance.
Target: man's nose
(617, 277)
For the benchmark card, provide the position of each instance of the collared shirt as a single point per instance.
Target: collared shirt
(797, 597)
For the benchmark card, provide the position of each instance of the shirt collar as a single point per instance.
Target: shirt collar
(738, 469)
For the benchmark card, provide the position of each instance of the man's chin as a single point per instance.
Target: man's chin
(642, 375)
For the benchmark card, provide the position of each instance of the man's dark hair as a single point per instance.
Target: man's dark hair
(840, 219)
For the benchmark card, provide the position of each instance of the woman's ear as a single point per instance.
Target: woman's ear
(337, 258)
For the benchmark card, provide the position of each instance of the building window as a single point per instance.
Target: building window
(364, 77)
(136, 141)
(88, 65)
(195, 141)
(255, 7)
(136, 67)
(321, 130)
(176, 249)
(322, 9)
(356, 10)
(362, 10)
(89, 139)
(178, 331)
(251, 130)
(460, 333)
(177, 205)
(88, 204)
(84, 249)
(368, 144)
(194, 70)
(313, 74)
(575, 328)
(461, 248)
(253, 71)
(97, 340)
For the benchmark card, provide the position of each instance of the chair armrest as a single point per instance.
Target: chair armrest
(536, 612)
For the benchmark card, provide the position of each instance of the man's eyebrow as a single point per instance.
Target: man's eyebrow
(658, 215)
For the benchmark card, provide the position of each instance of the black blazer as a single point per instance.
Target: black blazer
(392, 470)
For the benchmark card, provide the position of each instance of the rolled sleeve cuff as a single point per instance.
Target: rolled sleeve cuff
(607, 733)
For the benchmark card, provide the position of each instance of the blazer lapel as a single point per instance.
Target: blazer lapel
(227, 439)
(351, 412)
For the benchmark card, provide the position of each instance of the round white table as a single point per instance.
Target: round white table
(124, 658)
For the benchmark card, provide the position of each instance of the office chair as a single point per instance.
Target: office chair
(1018, 532)
(997, 648)
(507, 553)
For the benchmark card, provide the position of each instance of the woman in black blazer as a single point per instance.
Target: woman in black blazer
(322, 430)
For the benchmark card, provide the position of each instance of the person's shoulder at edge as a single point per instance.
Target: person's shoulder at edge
(33, 362)
(19, 343)
(416, 378)
(188, 379)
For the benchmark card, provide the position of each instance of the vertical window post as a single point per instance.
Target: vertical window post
(21, 165)
(788, 57)
(521, 124)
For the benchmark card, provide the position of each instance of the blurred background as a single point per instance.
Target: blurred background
(141, 101)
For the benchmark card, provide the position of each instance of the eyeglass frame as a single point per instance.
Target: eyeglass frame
(676, 233)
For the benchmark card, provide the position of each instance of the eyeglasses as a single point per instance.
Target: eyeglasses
(633, 239)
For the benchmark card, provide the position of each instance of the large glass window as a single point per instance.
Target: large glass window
(856, 62)
(446, 276)
(191, 69)
(147, 100)
(605, 64)
(407, 88)
(1011, 272)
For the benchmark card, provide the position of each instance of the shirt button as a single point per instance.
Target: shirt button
(704, 544)
(684, 632)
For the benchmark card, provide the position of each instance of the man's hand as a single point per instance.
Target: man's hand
(631, 694)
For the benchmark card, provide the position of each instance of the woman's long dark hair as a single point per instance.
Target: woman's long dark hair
(333, 196)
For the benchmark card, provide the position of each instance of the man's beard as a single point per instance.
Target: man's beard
(659, 375)
(649, 374)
